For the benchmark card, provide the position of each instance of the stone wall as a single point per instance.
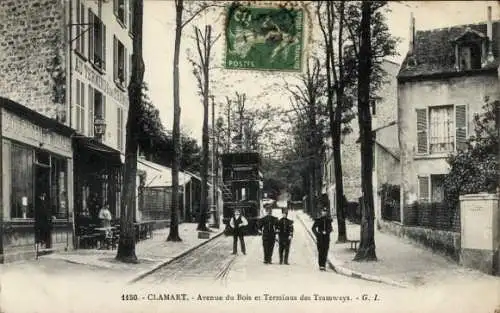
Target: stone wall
(443, 242)
(31, 48)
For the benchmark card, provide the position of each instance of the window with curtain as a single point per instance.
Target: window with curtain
(22, 181)
(441, 129)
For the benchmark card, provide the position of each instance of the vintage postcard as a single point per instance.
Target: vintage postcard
(253, 156)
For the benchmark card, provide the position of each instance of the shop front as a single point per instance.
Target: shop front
(37, 167)
(98, 178)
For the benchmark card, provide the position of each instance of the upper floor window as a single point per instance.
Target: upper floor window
(97, 108)
(97, 41)
(441, 129)
(119, 8)
(131, 16)
(80, 107)
(119, 62)
(470, 50)
(80, 28)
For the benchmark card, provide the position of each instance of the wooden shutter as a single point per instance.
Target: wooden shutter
(461, 127)
(115, 58)
(77, 104)
(91, 111)
(422, 140)
(82, 106)
(91, 35)
(115, 7)
(103, 54)
(103, 97)
(423, 188)
(125, 75)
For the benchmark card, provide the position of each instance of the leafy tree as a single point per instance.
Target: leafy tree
(475, 169)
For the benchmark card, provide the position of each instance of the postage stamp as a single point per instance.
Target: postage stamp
(264, 38)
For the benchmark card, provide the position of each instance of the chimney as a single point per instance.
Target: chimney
(489, 32)
(412, 35)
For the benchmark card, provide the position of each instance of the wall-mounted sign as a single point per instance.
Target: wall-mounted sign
(264, 38)
(20, 129)
(98, 81)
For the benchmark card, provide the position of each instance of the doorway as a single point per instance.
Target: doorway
(43, 214)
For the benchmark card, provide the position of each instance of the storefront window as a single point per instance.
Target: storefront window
(58, 182)
(22, 182)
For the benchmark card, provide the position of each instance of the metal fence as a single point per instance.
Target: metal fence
(439, 216)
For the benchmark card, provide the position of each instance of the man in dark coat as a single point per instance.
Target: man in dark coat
(285, 234)
(322, 228)
(267, 226)
(237, 223)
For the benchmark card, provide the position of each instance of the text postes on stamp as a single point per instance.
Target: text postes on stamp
(264, 38)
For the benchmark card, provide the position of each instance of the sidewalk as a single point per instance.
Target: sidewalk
(152, 253)
(400, 263)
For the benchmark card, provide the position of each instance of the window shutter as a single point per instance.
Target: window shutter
(125, 58)
(91, 35)
(423, 188)
(82, 104)
(91, 111)
(103, 46)
(103, 97)
(77, 106)
(461, 127)
(115, 6)
(115, 58)
(422, 145)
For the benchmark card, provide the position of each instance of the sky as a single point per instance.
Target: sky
(262, 87)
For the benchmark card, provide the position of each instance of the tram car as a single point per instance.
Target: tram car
(242, 188)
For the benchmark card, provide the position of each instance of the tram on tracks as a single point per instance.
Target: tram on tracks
(242, 188)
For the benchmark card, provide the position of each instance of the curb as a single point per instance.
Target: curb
(163, 263)
(347, 272)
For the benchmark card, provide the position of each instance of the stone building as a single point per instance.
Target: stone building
(384, 112)
(64, 65)
(443, 81)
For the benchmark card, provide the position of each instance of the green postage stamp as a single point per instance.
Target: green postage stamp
(264, 38)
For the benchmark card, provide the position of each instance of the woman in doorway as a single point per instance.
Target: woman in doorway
(43, 221)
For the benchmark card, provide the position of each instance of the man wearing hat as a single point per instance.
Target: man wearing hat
(267, 225)
(322, 228)
(237, 223)
(285, 234)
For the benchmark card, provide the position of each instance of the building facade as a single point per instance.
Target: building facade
(384, 112)
(442, 82)
(64, 65)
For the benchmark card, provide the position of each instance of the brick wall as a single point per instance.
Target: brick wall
(31, 35)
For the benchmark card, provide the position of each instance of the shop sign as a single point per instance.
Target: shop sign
(97, 80)
(20, 129)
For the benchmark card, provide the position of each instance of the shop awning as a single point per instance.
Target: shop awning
(160, 176)
(91, 145)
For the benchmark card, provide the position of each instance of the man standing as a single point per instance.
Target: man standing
(285, 234)
(267, 225)
(322, 228)
(237, 223)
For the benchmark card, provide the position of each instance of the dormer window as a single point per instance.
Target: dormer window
(470, 50)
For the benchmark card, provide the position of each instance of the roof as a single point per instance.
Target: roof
(158, 175)
(434, 50)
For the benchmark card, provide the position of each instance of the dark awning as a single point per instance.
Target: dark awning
(90, 145)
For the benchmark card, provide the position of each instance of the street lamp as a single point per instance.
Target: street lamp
(99, 127)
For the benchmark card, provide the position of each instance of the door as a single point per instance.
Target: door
(43, 215)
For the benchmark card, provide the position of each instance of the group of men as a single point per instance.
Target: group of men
(273, 229)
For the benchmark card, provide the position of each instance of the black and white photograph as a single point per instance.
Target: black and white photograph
(249, 156)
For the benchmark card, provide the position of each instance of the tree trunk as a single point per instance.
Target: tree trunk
(126, 244)
(366, 251)
(174, 217)
(335, 117)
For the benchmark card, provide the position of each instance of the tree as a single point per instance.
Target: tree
(126, 245)
(306, 101)
(474, 168)
(366, 251)
(151, 136)
(201, 70)
(196, 9)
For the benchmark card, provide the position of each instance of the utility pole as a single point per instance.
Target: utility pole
(228, 125)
